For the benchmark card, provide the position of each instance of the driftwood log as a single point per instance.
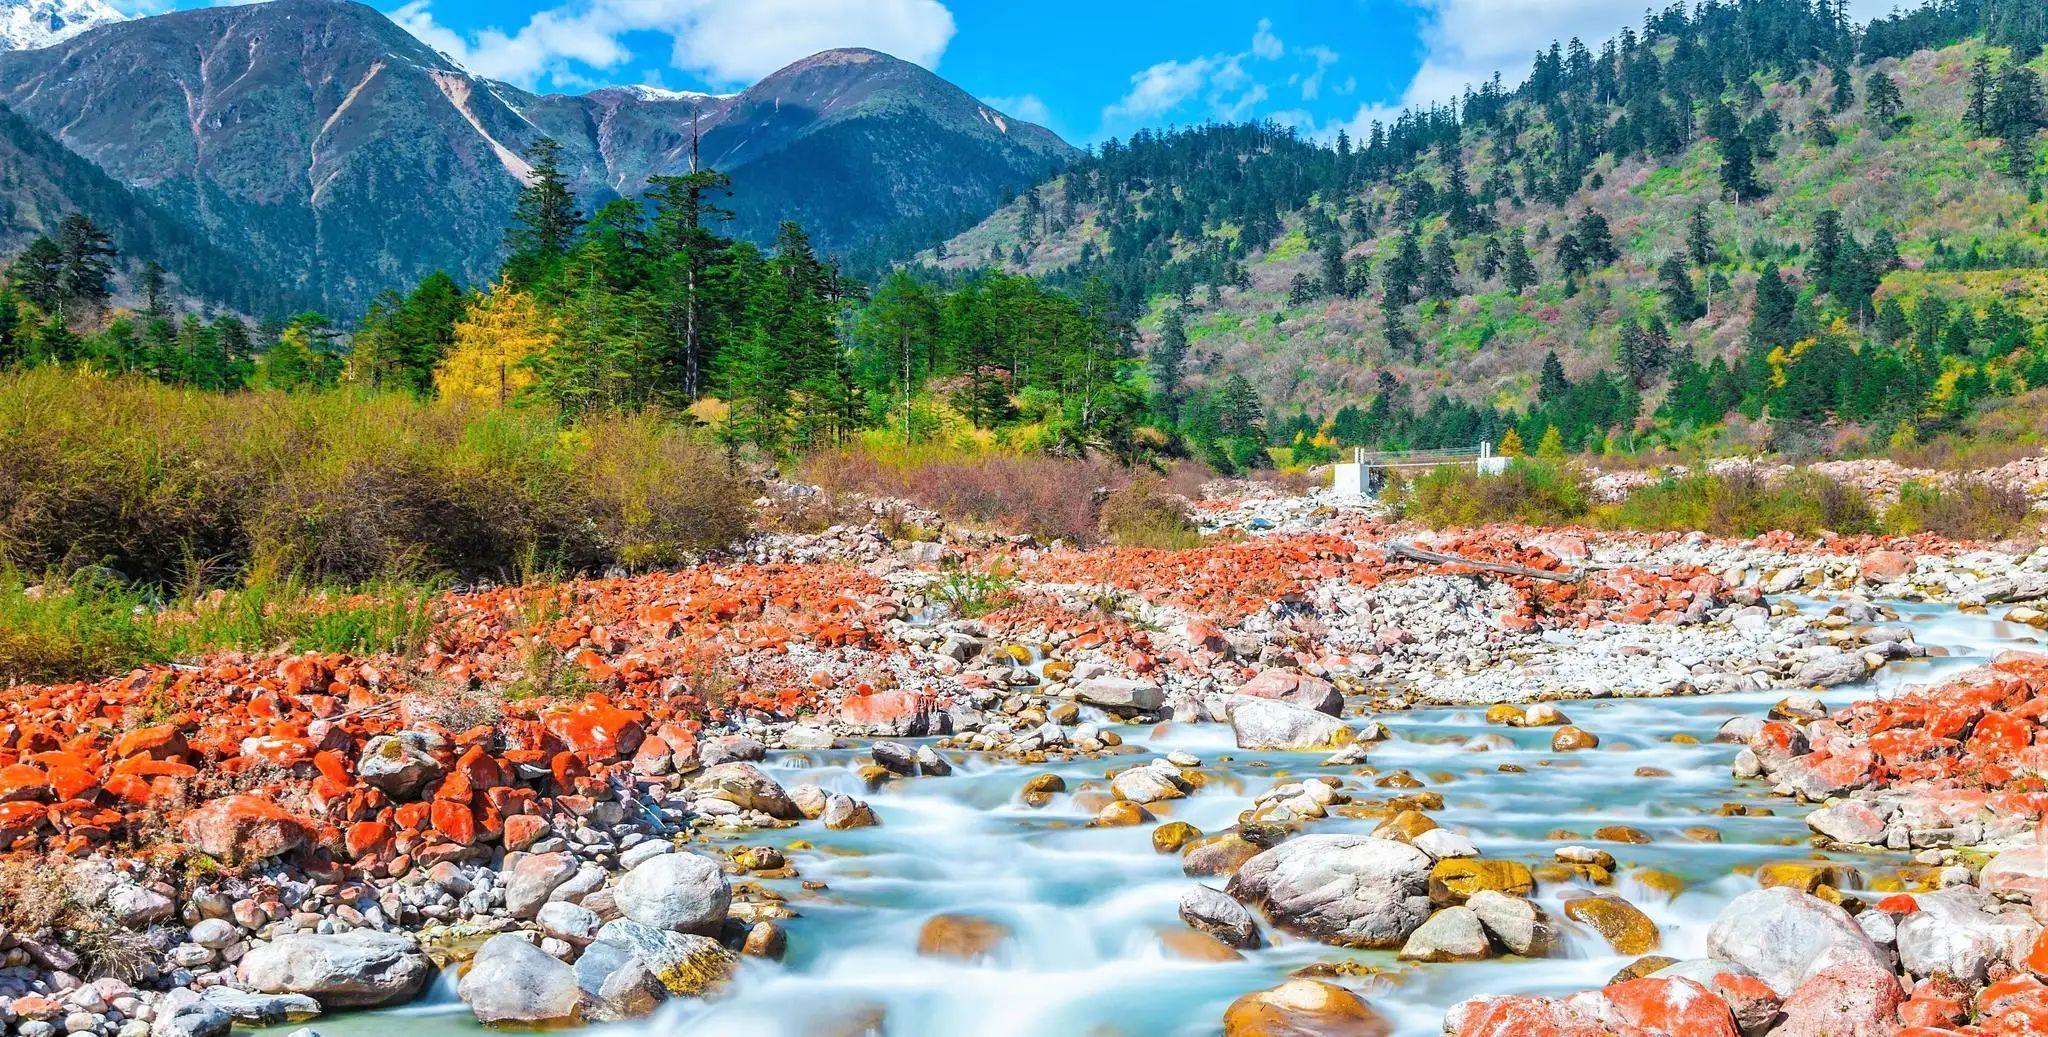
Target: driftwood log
(1416, 554)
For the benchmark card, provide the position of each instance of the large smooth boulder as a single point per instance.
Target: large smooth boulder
(535, 877)
(1452, 934)
(677, 891)
(1852, 999)
(747, 787)
(357, 969)
(400, 764)
(1349, 890)
(1215, 913)
(1830, 670)
(1955, 933)
(1151, 783)
(1514, 923)
(244, 828)
(1295, 689)
(2022, 869)
(631, 967)
(1786, 936)
(1303, 1008)
(1267, 724)
(512, 981)
(261, 1009)
(1122, 694)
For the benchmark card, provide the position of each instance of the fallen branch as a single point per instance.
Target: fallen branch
(1416, 554)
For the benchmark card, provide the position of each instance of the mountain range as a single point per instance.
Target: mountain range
(321, 143)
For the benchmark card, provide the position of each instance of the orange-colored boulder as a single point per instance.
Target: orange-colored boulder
(244, 827)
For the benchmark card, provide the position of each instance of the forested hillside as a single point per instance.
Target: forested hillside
(1756, 221)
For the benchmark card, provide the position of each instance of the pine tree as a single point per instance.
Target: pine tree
(1699, 240)
(1596, 242)
(153, 303)
(1492, 258)
(1334, 275)
(900, 326)
(1977, 110)
(1510, 444)
(38, 274)
(1738, 169)
(545, 222)
(1551, 385)
(88, 269)
(1440, 270)
(1552, 446)
(1521, 270)
(1881, 98)
(1681, 302)
(1168, 356)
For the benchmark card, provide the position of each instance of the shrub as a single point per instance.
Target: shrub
(1047, 496)
(170, 486)
(1966, 509)
(1528, 491)
(1143, 514)
(972, 595)
(1742, 504)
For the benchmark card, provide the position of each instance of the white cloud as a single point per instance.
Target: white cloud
(1028, 107)
(1161, 88)
(1464, 42)
(1226, 83)
(1265, 45)
(727, 42)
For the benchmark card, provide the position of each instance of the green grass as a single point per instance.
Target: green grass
(53, 630)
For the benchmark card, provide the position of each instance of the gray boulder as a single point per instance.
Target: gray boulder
(1787, 937)
(400, 764)
(357, 969)
(1452, 934)
(1958, 932)
(1349, 890)
(192, 1019)
(1212, 911)
(1830, 670)
(632, 967)
(534, 878)
(1124, 694)
(1514, 923)
(512, 981)
(677, 891)
(1269, 724)
(747, 787)
(261, 1009)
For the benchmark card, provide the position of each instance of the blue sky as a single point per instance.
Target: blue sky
(1090, 69)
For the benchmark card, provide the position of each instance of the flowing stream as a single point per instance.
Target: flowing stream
(1086, 908)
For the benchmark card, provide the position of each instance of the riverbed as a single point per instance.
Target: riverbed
(1089, 912)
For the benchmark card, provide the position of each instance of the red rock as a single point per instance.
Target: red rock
(1667, 1008)
(1886, 566)
(453, 818)
(161, 742)
(23, 782)
(367, 838)
(523, 830)
(244, 827)
(595, 727)
(1851, 1000)
(1520, 1017)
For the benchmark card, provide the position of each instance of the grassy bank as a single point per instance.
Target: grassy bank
(1736, 504)
(173, 488)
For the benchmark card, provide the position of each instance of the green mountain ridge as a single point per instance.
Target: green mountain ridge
(1228, 223)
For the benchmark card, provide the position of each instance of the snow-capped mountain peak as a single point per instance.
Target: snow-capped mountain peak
(28, 24)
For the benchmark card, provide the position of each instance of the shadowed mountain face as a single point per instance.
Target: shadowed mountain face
(333, 149)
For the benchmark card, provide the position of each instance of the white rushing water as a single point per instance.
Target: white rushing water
(1085, 908)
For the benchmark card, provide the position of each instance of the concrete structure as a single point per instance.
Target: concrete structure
(1367, 471)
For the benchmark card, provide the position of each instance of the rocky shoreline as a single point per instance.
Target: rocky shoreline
(542, 803)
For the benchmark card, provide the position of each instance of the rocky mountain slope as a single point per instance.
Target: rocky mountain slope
(41, 181)
(1964, 227)
(323, 142)
(28, 24)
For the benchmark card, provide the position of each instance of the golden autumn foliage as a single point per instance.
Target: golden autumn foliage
(494, 344)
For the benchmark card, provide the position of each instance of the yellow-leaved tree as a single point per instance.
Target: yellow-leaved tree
(1511, 444)
(493, 344)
